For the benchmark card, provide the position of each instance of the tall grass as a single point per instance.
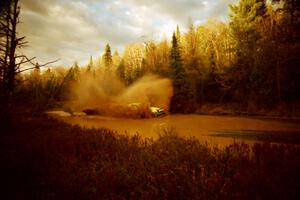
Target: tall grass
(46, 159)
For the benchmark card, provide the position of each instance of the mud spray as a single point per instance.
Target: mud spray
(107, 95)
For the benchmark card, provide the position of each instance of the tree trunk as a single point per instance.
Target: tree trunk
(12, 50)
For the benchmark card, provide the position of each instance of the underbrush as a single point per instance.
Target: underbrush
(42, 158)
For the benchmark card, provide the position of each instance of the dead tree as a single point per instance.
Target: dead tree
(11, 63)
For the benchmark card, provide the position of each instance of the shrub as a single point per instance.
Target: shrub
(46, 159)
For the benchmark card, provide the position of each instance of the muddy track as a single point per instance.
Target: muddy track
(219, 130)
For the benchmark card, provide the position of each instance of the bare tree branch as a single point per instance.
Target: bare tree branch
(26, 58)
(22, 43)
(26, 61)
(43, 65)
(50, 62)
(20, 39)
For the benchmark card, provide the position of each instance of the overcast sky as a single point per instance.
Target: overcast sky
(74, 30)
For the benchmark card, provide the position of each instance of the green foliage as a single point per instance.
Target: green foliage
(243, 19)
(181, 89)
(107, 58)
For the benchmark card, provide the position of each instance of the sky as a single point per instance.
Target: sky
(74, 30)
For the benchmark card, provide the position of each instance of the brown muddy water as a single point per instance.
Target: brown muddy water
(213, 130)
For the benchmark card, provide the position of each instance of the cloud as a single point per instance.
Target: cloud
(35, 6)
(75, 29)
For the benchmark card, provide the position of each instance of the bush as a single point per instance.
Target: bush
(46, 159)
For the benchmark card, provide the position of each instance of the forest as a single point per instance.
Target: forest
(249, 64)
(245, 67)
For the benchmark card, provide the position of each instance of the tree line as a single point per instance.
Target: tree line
(251, 61)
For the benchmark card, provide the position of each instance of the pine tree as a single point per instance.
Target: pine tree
(176, 61)
(178, 35)
(76, 70)
(76, 66)
(116, 60)
(107, 58)
(121, 70)
(90, 65)
(37, 70)
(181, 90)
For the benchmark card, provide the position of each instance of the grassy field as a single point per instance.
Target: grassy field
(42, 158)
